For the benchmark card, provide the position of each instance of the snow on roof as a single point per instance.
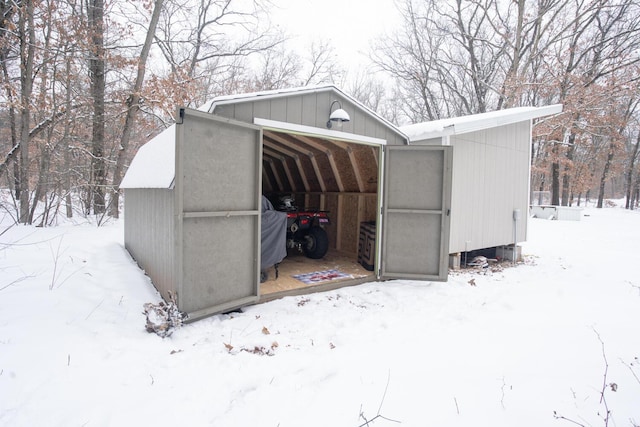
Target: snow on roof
(154, 164)
(475, 122)
(251, 96)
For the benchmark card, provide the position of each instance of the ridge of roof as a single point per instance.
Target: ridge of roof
(273, 93)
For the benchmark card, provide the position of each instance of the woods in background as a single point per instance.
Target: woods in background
(85, 82)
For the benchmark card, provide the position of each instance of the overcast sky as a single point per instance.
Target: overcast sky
(350, 24)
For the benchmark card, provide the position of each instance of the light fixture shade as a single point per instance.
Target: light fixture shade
(339, 115)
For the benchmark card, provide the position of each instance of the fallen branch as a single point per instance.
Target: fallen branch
(378, 415)
(630, 367)
(603, 400)
(16, 281)
(614, 386)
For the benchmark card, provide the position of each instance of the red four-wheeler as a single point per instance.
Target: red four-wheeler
(304, 228)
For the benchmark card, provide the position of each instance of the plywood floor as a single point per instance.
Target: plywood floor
(296, 263)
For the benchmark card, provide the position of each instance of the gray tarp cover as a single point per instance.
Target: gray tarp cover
(274, 235)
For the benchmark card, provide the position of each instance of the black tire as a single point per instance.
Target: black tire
(264, 275)
(316, 243)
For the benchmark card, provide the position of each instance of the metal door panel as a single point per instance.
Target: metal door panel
(218, 189)
(415, 214)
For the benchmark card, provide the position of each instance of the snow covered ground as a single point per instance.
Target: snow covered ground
(548, 335)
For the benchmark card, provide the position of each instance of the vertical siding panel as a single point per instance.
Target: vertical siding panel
(309, 110)
(294, 110)
(490, 180)
(480, 220)
(460, 164)
(355, 116)
(279, 109)
(359, 123)
(261, 109)
(150, 234)
(524, 135)
(322, 105)
(493, 194)
(244, 112)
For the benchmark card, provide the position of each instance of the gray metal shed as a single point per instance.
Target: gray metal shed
(193, 193)
(491, 173)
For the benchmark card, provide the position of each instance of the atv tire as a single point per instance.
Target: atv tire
(316, 243)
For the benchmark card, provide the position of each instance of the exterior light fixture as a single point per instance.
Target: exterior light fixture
(338, 116)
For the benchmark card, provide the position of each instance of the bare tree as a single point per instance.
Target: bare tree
(26, 34)
(410, 57)
(470, 56)
(8, 11)
(631, 175)
(321, 65)
(95, 23)
(132, 108)
(204, 38)
(599, 49)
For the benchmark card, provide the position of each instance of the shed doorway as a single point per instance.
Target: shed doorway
(327, 174)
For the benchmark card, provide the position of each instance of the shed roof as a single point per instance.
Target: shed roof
(476, 122)
(280, 93)
(154, 164)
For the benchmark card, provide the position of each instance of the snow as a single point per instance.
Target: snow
(476, 122)
(154, 164)
(509, 350)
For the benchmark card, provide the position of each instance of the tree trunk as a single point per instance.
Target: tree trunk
(604, 176)
(630, 173)
(132, 110)
(95, 14)
(555, 177)
(11, 158)
(541, 189)
(65, 137)
(27, 52)
(43, 177)
(7, 12)
(566, 175)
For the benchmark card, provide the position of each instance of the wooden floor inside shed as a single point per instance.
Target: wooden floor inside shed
(297, 264)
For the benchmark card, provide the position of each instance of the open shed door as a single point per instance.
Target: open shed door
(218, 189)
(415, 214)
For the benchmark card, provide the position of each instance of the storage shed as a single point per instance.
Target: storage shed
(491, 175)
(193, 197)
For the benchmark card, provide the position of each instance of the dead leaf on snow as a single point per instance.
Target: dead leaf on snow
(265, 330)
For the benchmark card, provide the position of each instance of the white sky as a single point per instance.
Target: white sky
(351, 25)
